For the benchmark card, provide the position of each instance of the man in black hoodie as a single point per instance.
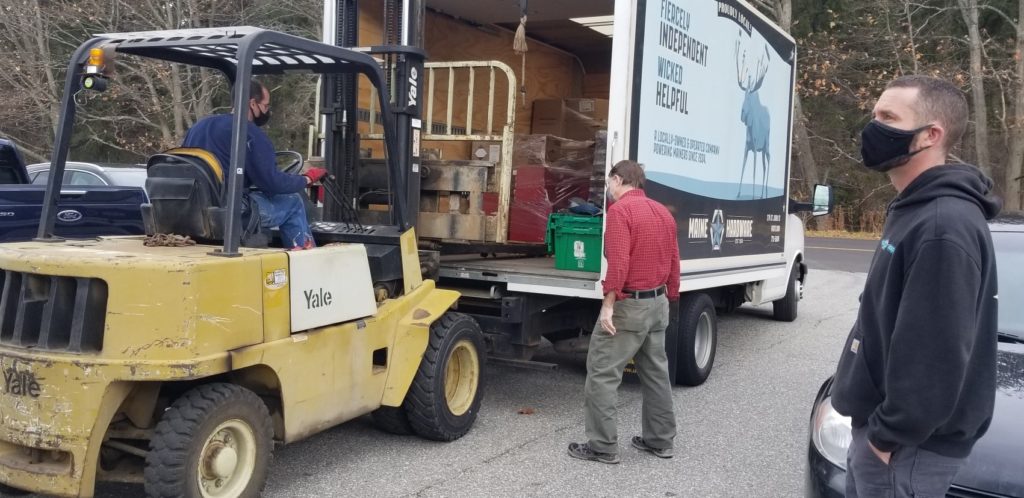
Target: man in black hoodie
(918, 372)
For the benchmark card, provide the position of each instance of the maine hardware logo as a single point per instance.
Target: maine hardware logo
(717, 230)
(713, 228)
(69, 216)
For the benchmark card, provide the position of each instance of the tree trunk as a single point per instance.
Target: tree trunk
(803, 155)
(177, 104)
(206, 83)
(785, 10)
(910, 34)
(42, 41)
(969, 11)
(1012, 187)
(165, 131)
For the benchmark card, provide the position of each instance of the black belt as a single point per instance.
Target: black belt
(645, 294)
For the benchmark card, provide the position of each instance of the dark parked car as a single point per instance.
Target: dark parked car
(12, 171)
(88, 206)
(84, 174)
(996, 466)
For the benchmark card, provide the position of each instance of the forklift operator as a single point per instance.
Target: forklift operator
(277, 194)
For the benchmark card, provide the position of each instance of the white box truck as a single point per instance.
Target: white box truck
(699, 91)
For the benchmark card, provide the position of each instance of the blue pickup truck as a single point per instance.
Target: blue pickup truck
(84, 211)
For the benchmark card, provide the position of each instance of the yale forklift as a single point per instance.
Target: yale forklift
(179, 367)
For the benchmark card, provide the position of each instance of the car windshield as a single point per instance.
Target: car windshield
(1009, 247)
(134, 177)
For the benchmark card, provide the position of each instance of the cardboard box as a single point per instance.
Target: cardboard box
(578, 119)
(552, 151)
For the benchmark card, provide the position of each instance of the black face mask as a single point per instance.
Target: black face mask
(883, 147)
(262, 118)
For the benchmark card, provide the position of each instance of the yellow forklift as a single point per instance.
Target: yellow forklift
(180, 366)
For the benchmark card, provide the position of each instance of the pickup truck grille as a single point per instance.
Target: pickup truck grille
(52, 313)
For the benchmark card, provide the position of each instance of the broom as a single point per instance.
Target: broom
(519, 47)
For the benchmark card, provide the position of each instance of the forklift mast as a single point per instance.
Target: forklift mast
(401, 54)
(340, 122)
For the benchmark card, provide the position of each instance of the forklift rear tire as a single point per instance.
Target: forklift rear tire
(444, 398)
(214, 441)
(392, 419)
(698, 339)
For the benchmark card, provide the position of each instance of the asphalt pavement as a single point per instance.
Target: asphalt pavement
(742, 433)
(852, 255)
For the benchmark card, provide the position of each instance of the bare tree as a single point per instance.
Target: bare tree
(149, 105)
(1014, 175)
(30, 78)
(782, 12)
(969, 12)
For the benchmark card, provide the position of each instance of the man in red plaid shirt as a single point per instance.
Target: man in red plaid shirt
(642, 249)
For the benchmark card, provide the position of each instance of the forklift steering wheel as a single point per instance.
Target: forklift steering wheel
(294, 166)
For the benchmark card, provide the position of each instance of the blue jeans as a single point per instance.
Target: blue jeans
(286, 212)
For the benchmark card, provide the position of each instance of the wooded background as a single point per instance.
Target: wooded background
(847, 51)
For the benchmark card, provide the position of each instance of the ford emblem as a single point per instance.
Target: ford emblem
(69, 216)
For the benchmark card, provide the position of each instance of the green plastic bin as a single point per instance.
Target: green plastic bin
(575, 241)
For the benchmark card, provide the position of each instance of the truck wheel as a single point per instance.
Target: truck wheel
(392, 419)
(784, 310)
(698, 338)
(214, 441)
(444, 398)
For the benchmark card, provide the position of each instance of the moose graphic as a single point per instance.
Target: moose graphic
(756, 118)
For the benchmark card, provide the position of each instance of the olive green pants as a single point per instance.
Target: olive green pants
(640, 334)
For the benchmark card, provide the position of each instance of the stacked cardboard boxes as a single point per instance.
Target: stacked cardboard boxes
(548, 171)
(576, 119)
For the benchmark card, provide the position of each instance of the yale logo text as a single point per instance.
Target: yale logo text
(21, 383)
(317, 298)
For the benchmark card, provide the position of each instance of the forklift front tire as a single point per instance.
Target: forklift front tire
(444, 398)
(214, 441)
(6, 491)
(392, 419)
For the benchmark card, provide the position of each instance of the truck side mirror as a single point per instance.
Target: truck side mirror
(822, 201)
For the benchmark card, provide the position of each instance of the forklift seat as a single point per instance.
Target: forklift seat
(186, 191)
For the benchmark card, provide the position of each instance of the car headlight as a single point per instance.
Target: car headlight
(831, 433)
